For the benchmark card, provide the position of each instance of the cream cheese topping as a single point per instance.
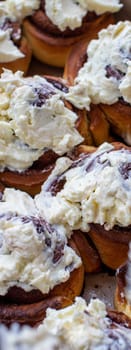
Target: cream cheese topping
(105, 76)
(125, 86)
(101, 6)
(8, 51)
(27, 338)
(19, 9)
(70, 13)
(3, 11)
(96, 190)
(33, 254)
(33, 117)
(85, 327)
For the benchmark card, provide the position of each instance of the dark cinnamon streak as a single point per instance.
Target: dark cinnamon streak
(125, 170)
(43, 93)
(113, 72)
(58, 85)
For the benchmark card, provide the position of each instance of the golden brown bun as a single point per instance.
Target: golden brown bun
(88, 253)
(54, 50)
(30, 314)
(106, 122)
(75, 60)
(119, 117)
(121, 302)
(30, 307)
(32, 179)
(109, 242)
(119, 318)
(21, 63)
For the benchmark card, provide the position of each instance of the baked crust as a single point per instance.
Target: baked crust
(109, 242)
(119, 117)
(30, 314)
(30, 181)
(53, 48)
(88, 252)
(121, 302)
(119, 318)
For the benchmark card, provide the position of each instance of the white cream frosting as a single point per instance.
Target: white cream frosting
(27, 338)
(8, 51)
(110, 51)
(26, 129)
(70, 13)
(3, 11)
(101, 6)
(29, 247)
(97, 191)
(125, 86)
(85, 327)
(19, 9)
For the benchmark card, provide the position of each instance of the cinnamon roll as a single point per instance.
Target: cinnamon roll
(93, 194)
(40, 264)
(15, 51)
(79, 326)
(56, 26)
(100, 75)
(37, 126)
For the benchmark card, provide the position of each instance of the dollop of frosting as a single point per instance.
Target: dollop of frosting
(8, 51)
(70, 13)
(83, 326)
(27, 338)
(94, 189)
(19, 9)
(106, 75)
(33, 254)
(33, 117)
(125, 86)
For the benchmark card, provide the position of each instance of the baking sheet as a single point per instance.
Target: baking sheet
(101, 285)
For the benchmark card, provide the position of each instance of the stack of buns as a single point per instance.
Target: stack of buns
(65, 173)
